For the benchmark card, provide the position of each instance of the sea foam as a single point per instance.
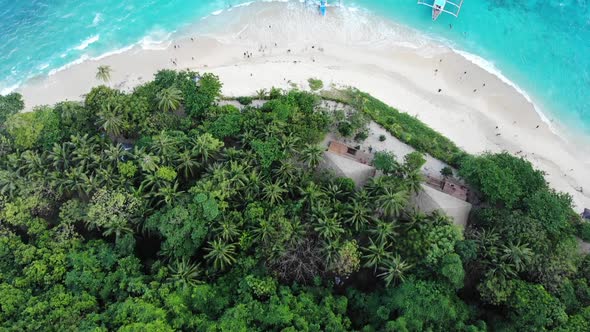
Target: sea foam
(97, 19)
(90, 40)
(492, 69)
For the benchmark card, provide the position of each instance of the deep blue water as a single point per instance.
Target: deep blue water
(541, 45)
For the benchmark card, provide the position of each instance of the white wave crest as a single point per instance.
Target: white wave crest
(156, 40)
(9, 89)
(492, 69)
(97, 19)
(87, 42)
(68, 65)
(117, 51)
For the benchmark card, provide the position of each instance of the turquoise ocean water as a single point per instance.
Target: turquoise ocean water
(541, 45)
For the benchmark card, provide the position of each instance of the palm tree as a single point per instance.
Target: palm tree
(261, 94)
(115, 154)
(357, 215)
(148, 162)
(56, 181)
(222, 254)
(152, 182)
(104, 73)
(394, 270)
(333, 191)
(487, 242)
(287, 172)
(31, 162)
(384, 231)
(117, 227)
(416, 218)
(169, 99)
(362, 196)
(311, 194)
(298, 231)
(83, 153)
(247, 136)
(186, 163)
(438, 218)
(273, 192)
(9, 182)
(60, 157)
(205, 146)
(77, 181)
(518, 254)
(413, 182)
(106, 177)
(312, 155)
(110, 120)
(236, 175)
(328, 227)
(227, 229)
(392, 202)
(289, 143)
(263, 231)
(271, 130)
(185, 272)
(502, 270)
(330, 251)
(165, 145)
(376, 254)
(217, 172)
(168, 194)
(377, 185)
(252, 185)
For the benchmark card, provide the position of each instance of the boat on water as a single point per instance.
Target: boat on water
(323, 5)
(442, 6)
(437, 9)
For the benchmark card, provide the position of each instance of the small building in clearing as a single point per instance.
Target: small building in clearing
(348, 162)
(448, 186)
(451, 201)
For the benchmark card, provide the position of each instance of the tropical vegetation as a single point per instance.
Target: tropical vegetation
(165, 210)
(103, 73)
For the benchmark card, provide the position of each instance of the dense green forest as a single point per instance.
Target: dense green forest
(159, 210)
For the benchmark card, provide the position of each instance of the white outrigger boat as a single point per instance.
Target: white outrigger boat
(442, 6)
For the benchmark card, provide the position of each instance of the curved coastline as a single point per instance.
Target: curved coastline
(219, 52)
(152, 42)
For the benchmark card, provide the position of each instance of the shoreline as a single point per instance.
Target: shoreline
(147, 43)
(361, 54)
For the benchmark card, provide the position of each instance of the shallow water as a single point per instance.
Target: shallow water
(542, 45)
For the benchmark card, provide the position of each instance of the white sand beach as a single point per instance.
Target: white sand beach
(289, 44)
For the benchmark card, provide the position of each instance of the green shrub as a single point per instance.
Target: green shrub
(315, 84)
(34, 129)
(127, 169)
(446, 171)
(406, 127)
(583, 231)
(166, 173)
(10, 104)
(345, 128)
(275, 93)
(244, 100)
(385, 161)
(361, 136)
(382, 138)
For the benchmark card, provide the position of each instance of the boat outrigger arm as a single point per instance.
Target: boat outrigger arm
(443, 6)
